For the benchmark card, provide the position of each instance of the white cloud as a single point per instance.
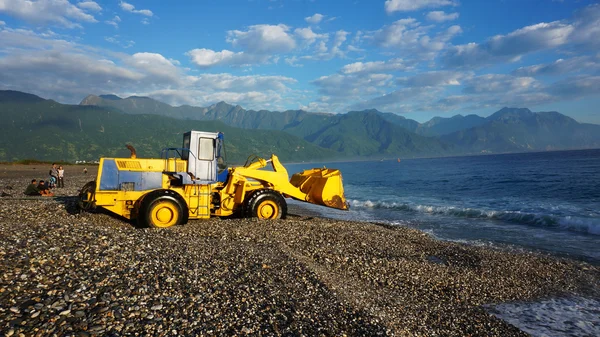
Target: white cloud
(154, 64)
(130, 8)
(499, 83)
(575, 87)
(573, 65)
(68, 71)
(61, 12)
(339, 39)
(410, 37)
(90, 6)
(231, 83)
(374, 67)
(339, 87)
(587, 28)
(293, 61)
(308, 35)
(114, 22)
(316, 18)
(413, 5)
(581, 32)
(117, 40)
(434, 79)
(206, 58)
(2, 23)
(263, 39)
(440, 16)
(401, 100)
(21, 39)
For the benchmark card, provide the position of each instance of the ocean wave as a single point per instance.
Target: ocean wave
(571, 223)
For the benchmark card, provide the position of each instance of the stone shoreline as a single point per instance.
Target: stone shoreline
(68, 274)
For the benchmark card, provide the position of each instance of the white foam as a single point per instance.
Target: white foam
(573, 316)
(589, 225)
(571, 223)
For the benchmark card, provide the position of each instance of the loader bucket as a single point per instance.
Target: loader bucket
(322, 187)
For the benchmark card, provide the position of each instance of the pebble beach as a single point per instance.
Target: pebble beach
(66, 273)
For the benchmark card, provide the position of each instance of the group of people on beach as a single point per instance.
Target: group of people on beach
(43, 188)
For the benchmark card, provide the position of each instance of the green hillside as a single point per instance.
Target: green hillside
(519, 130)
(46, 130)
(367, 133)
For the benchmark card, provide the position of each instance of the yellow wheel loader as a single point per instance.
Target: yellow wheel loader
(194, 182)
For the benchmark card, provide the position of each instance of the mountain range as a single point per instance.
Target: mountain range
(36, 128)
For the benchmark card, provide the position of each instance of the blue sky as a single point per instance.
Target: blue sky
(417, 58)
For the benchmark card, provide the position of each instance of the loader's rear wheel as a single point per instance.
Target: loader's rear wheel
(161, 209)
(86, 200)
(266, 204)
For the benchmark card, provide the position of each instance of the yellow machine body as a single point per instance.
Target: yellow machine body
(156, 191)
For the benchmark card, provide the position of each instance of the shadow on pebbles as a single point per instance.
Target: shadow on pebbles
(68, 274)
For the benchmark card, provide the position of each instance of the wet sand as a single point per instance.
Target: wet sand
(66, 273)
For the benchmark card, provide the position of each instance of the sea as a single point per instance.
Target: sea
(545, 202)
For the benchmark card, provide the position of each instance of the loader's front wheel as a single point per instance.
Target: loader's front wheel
(86, 200)
(266, 204)
(161, 209)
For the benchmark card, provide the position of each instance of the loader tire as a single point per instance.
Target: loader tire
(86, 197)
(266, 205)
(162, 209)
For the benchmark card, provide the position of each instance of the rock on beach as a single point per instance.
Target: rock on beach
(65, 273)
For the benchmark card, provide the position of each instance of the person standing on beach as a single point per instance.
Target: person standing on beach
(61, 177)
(53, 176)
(32, 189)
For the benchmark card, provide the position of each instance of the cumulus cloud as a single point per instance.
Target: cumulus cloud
(308, 35)
(130, 8)
(2, 23)
(117, 40)
(314, 19)
(231, 83)
(434, 79)
(410, 37)
(339, 87)
(263, 39)
(60, 12)
(499, 83)
(392, 6)
(260, 44)
(400, 100)
(581, 32)
(374, 67)
(293, 61)
(587, 64)
(114, 21)
(90, 6)
(587, 28)
(68, 71)
(440, 16)
(206, 58)
(575, 87)
(154, 64)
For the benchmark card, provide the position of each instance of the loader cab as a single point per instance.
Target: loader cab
(205, 154)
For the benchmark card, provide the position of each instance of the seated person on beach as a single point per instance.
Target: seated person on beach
(44, 190)
(32, 189)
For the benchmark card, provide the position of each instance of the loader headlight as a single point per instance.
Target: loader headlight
(129, 202)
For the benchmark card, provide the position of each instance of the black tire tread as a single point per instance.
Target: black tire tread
(150, 198)
(250, 205)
